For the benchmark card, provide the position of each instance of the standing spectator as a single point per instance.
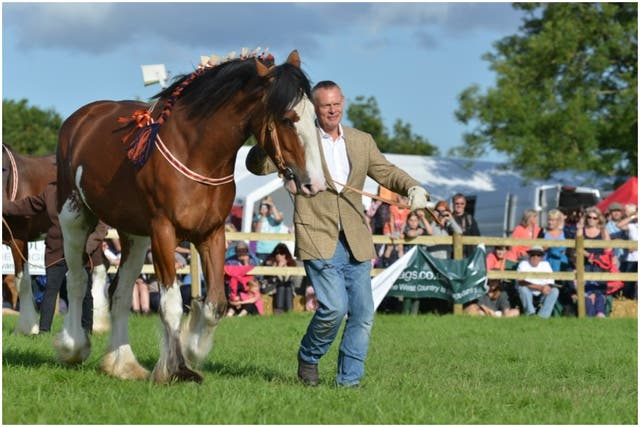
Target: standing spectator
(333, 240)
(465, 220)
(555, 255)
(596, 260)
(378, 215)
(394, 228)
(615, 211)
(530, 287)
(56, 266)
(416, 225)
(444, 225)
(527, 229)
(268, 220)
(630, 262)
(284, 284)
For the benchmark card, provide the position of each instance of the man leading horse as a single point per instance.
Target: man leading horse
(333, 240)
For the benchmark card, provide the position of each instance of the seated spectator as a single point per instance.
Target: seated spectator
(527, 229)
(500, 259)
(236, 268)
(533, 287)
(310, 300)
(249, 301)
(556, 256)
(284, 285)
(141, 299)
(495, 302)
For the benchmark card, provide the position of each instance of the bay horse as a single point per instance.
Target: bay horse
(24, 176)
(164, 174)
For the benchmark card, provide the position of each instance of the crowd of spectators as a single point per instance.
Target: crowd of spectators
(504, 298)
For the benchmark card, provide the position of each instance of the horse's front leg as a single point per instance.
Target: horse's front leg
(172, 365)
(197, 333)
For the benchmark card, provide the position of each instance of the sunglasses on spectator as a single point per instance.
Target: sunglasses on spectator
(592, 217)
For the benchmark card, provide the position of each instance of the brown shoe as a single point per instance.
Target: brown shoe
(307, 373)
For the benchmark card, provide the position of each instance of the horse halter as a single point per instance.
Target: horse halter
(286, 172)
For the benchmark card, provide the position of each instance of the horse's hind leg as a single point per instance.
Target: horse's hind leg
(100, 303)
(72, 344)
(27, 317)
(119, 360)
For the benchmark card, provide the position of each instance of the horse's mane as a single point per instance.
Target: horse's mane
(217, 85)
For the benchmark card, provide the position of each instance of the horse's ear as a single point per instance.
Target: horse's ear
(294, 59)
(263, 70)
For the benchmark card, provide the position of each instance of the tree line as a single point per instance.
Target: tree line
(565, 98)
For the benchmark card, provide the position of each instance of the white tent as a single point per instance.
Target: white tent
(489, 182)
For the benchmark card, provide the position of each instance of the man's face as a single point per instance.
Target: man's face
(534, 259)
(458, 206)
(328, 104)
(616, 215)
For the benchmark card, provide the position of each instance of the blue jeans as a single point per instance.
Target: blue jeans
(343, 287)
(548, 301)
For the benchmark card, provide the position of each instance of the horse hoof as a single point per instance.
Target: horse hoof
(70, 351)
(186, 374)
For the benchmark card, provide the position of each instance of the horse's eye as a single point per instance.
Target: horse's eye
(288, 122)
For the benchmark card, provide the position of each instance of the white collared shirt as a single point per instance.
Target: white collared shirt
(335, 153)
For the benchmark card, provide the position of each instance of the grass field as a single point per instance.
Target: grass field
(420, 370)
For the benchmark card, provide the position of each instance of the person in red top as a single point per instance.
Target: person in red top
(395, 226)
(527, 229)
(500, 259)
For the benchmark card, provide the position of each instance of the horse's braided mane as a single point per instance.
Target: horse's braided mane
(208, 88)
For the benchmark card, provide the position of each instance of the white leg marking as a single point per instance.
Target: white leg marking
(119, 360)
(100, 303)
(27, 317)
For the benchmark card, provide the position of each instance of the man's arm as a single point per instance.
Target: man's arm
(31, 205)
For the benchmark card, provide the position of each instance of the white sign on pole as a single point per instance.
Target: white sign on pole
(36, 259)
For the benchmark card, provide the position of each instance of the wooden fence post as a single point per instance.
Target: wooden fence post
(580, 276)
(458, 253)
(195, 272)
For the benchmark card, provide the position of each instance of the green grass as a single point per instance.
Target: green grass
(420, 370)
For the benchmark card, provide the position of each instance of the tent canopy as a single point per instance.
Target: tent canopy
(625, 194)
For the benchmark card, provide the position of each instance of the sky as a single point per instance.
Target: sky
(413, 58)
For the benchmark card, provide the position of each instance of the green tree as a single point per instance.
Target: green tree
(565, 95)
(29, 130)
(365, 115)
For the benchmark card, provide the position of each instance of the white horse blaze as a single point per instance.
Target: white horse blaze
(308, 136)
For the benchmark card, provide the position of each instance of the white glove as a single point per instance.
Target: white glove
(418, 198)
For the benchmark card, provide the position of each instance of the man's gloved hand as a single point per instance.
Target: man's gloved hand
(418, 198)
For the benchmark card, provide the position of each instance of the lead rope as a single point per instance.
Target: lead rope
(25, 260)
(14, 173)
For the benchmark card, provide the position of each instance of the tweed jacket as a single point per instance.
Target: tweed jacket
(317, 219)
